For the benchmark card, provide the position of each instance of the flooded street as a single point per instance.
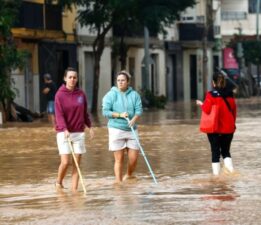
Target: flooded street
(179, 155)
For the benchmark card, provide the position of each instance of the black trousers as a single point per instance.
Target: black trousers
(220, 145)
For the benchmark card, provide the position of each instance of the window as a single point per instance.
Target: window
(252, 6)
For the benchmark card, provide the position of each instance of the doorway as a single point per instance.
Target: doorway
(193, 76)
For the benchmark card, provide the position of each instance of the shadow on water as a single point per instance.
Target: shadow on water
(179, 156)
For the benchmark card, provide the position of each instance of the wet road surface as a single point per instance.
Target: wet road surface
(180, 158)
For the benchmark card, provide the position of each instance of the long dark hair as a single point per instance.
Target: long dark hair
(219, 80)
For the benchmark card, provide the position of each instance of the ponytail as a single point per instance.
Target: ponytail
(219, 80)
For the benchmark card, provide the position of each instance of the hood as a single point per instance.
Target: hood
(115, 89)
(225, 92)
(65, 90)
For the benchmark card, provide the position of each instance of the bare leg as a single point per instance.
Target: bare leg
(75, 175)
(51, 119)
(62, 168)
(132, 161)
(118, 165)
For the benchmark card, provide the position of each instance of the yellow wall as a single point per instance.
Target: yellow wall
(35, 1)
(32, 49)
(68, 19)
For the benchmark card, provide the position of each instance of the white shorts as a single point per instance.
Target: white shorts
(78, 143)
(120, 139)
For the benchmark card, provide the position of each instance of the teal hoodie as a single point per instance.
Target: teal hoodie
(116, 101)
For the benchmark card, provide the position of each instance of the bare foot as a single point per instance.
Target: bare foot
(59, 187)
(75, 192)
(116, 182)
(128, 177)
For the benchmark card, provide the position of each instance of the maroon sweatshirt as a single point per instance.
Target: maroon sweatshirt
(71, 110)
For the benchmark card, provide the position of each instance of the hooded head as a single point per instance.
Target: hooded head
(47, 77)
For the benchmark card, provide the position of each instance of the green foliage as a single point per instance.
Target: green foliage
(10, 58)
(150, 100)
(101, 15)
(8, 10)
(154, 14)
(157, 14)
(251, 49)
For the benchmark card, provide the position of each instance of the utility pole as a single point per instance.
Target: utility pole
(257, 39)
(145, 75)
(208, 24)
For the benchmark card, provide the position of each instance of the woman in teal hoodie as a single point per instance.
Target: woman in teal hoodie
(119, 103)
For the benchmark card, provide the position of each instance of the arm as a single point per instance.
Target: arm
(59, 115)
(206, 106)
(107, 110)
(234, 109)
(137, 110)
(107, 107)
(87, 120)
(46, 90)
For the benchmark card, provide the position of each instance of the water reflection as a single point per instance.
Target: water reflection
(179, 156)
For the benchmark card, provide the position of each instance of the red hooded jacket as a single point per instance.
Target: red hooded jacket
(71, 110)
(226, 118)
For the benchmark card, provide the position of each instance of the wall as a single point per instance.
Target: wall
(248, 25)
(105, 71)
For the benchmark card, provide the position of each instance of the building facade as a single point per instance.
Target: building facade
(42, 30)
(178, 62)
(185, 48)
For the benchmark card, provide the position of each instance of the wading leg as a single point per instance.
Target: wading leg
(132, 161)
(75, 175)
(118, 165)
(62, 169)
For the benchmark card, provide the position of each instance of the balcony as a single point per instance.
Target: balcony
(40, 16)
(131, 31)
(193, 32)
(233, 15)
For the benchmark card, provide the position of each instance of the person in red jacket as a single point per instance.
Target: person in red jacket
(71, 118)
(220, 140)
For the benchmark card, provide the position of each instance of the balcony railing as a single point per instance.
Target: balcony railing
(194, 32)
(40, 16)
(131, 31)
(233, 15)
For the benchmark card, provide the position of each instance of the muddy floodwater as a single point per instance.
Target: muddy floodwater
(179, 155)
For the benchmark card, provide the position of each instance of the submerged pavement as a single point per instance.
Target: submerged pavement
(179, 154)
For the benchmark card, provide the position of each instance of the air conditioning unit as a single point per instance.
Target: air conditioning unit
(188, 19)
(216, 31)
(215, 4)
(200, 19)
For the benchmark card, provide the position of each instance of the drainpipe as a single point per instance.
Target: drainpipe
(257, 38)
(1, 119)
(145, 79)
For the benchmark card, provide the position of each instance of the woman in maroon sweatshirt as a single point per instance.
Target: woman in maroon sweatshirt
(71, 118)
(221, 138)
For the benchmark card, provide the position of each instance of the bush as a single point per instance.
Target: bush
(150, 100)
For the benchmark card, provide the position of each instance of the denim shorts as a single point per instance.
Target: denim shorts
(50, 107)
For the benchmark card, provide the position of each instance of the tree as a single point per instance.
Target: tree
(102, 15)
(251, 49)
(10, 58)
